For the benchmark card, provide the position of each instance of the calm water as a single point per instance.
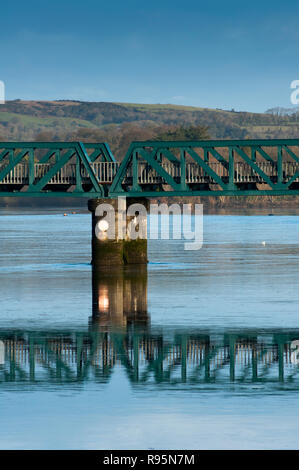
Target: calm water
(198, 351)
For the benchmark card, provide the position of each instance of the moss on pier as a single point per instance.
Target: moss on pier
(135, 251)
(117, 253)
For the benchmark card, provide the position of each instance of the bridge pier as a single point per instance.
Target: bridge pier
(127, 246)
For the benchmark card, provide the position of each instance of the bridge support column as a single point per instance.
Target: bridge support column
(127, 247)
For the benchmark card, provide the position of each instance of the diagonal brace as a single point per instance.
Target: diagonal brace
(254, 166)
(206, 167)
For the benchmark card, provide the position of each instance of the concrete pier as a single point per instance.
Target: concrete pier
(125, 245)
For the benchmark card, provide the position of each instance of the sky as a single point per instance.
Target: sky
(216, 54)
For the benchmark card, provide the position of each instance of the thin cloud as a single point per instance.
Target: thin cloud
(178, 98)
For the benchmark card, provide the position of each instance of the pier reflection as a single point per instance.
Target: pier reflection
(119, 298)
(119, 335)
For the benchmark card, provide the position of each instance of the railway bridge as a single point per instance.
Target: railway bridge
(201, 168)
(150, 169)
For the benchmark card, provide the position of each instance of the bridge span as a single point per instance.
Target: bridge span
(150, 168)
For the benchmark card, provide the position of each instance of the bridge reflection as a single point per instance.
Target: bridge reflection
(119, 334)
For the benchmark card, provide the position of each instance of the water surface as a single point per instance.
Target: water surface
(197, 351)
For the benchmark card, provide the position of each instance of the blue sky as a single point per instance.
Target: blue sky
(218, 54)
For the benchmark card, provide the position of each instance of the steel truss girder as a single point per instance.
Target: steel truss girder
(149, 150)
(155, 154)
(63, 152)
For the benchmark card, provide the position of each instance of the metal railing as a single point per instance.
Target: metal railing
(106, 171)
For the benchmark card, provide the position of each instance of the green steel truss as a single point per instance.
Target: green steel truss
(53, 157)
(268, 166)
(150, 169)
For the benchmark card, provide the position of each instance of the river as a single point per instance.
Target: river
(198, 351)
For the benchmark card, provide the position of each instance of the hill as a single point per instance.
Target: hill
(120, 123)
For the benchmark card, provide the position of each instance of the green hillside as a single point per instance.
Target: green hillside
(120, 123)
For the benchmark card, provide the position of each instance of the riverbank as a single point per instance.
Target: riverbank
(212, 205)
(213, 201)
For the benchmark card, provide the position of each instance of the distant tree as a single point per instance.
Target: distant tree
(183, 133)
(130, 132)
(44, 136)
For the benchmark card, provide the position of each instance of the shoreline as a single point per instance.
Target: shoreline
(220, 205)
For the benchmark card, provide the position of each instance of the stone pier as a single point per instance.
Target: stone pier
(124, 247)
